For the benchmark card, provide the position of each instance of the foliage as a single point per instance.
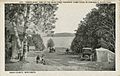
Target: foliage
(97, 29)
(41, 15)
(36, 41)
(8, 43)
(50, 43)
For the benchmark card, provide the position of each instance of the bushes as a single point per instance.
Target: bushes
(36, 41)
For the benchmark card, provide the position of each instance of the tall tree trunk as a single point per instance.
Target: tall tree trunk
(16, 42)
(24, 45)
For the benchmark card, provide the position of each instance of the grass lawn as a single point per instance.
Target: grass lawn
(58, 61)
(14, 66)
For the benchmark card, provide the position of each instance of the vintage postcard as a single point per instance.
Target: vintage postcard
(60, 37)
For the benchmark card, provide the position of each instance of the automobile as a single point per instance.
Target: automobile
(87, 54)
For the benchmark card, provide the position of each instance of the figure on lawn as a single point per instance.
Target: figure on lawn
(67, 50)
(52, 50)
(37, 59)
(40, 59)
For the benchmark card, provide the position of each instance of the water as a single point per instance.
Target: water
(59, 41)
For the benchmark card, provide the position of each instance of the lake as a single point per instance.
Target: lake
(64, 42)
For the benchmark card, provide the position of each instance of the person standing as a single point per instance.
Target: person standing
(37, 59)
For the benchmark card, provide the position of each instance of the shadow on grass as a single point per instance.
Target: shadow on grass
(14, 66)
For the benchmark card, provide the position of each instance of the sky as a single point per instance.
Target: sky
(70, 14)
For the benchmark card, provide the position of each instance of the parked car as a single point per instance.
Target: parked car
(87, 54)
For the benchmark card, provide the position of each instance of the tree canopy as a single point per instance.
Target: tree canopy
(36, 17)
(97, 29)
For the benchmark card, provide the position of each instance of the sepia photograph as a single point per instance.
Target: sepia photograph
(60, 36)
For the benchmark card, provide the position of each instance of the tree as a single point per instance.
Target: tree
(13, 14)
(38, 42)
(43, 17)
(97, 29)
(26, 14)
(50, 43)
